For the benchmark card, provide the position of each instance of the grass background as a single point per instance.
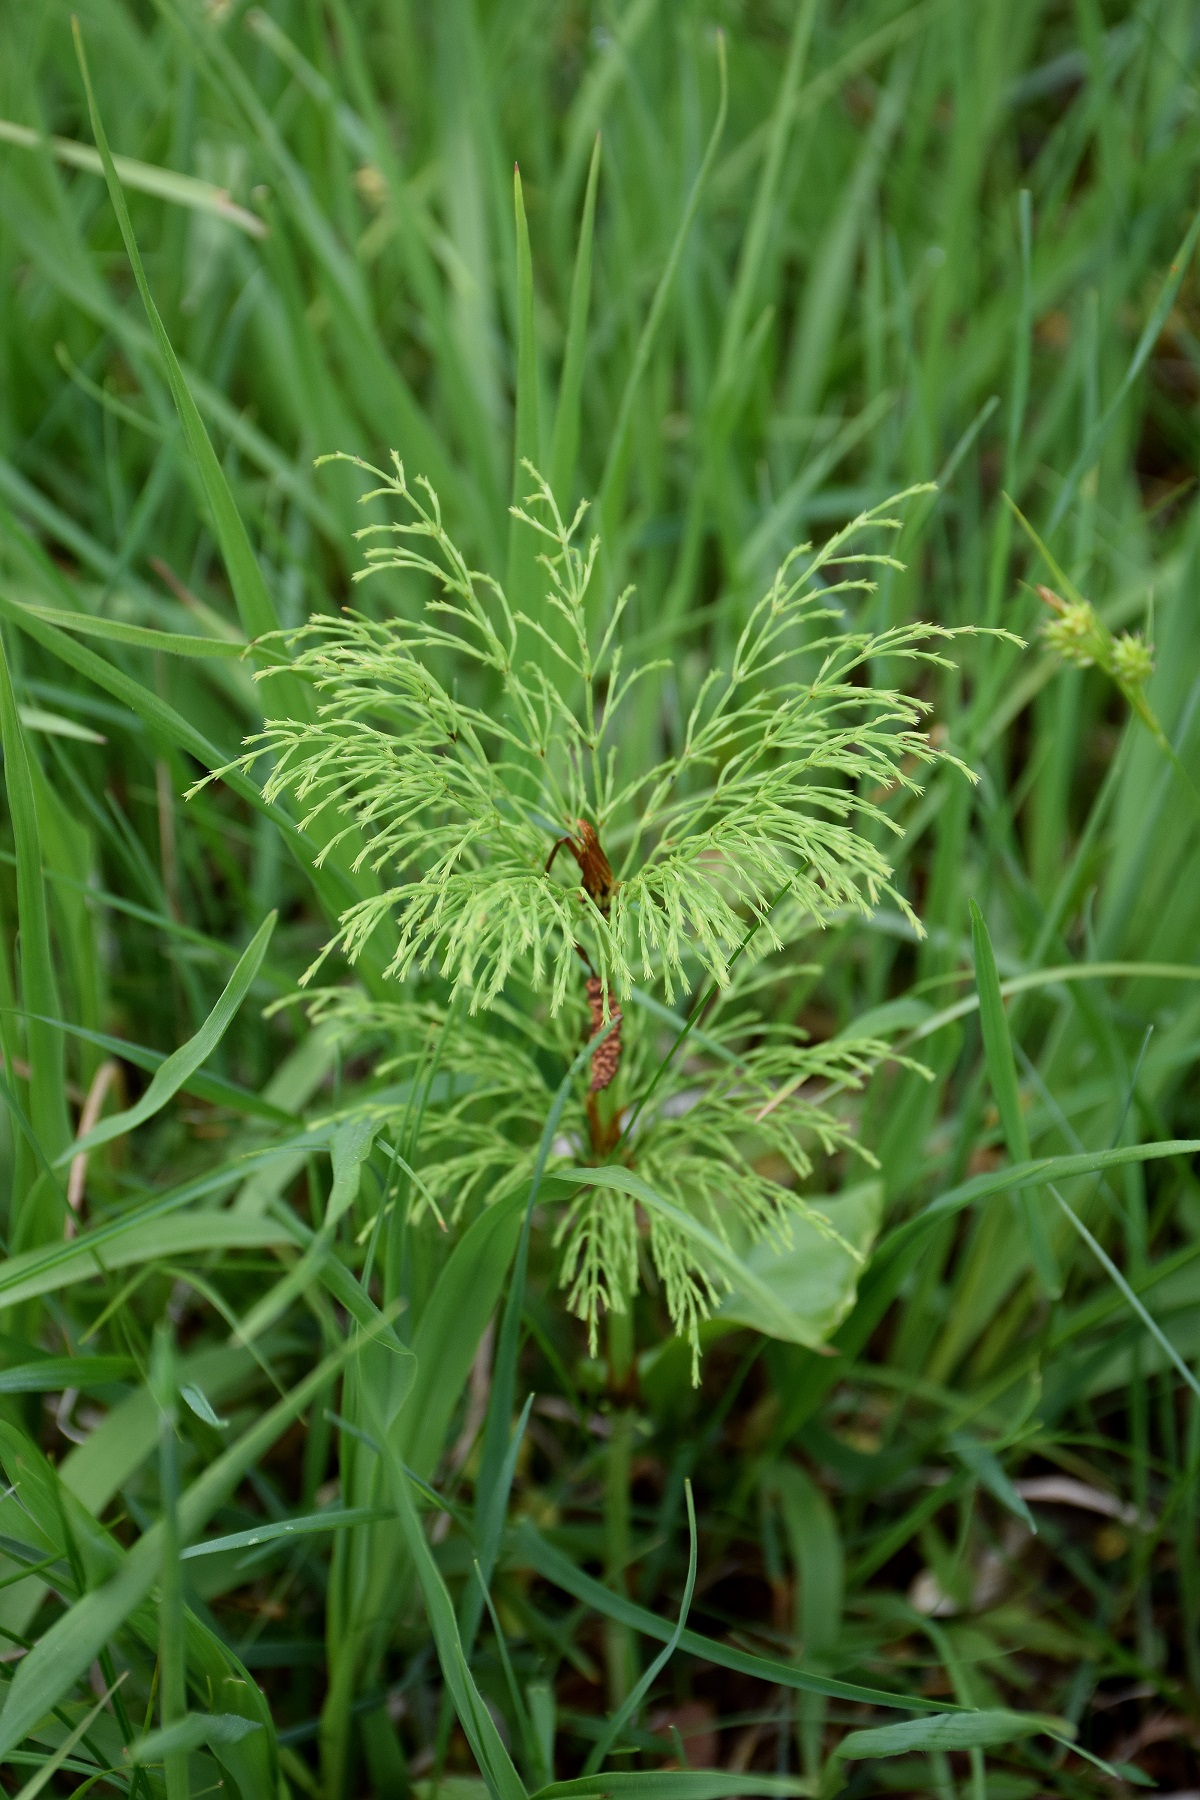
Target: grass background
(931, 242)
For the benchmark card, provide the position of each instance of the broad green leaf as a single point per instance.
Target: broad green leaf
(182, 1063)
(817, 1555)
(815, 1278)
(452, 1324)
(349, 1151)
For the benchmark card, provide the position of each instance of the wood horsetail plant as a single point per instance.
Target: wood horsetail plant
(543, 893)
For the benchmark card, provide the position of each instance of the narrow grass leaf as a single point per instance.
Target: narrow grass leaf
(564, 444)
(530, 1550)
(1002, 1072)
(144, 178)
(54, 1763)
(47, 1073)
(182, 1063)
(71, 1644)
(951, 1731)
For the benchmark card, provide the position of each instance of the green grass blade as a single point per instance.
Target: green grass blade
(183, 1063)
(529, 1549)
(951, 1731)
(673, 1784)
(145, 178)
(614, 462)
(495, 1764)
(1151, 332)
(53, 1763)
(47, 1074)
(71, 1644)
(527, 439)
(628, 1708)
(564, 444)
(1002, 1071)
(254, 604)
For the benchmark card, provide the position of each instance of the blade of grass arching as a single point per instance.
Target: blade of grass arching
(1151, 332)
(1002, 1071)
(637, 1694)
(1040, 1172)
(528, 1549)
(144, 178)
(67, 1649)
(564, 444)
(39, 989)
(527, 440)
(168, 643)
(183, 1063)
(31, 1272)
(214, 1088)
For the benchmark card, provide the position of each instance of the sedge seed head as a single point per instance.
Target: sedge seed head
(1076, 634)
(1132, 659)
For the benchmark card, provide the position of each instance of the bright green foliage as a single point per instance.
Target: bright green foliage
(761, 266)
(763, 812)
(765, 795)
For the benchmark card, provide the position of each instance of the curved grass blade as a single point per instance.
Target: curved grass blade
(637, 1694)
(183, 1063)
(531, 1551)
